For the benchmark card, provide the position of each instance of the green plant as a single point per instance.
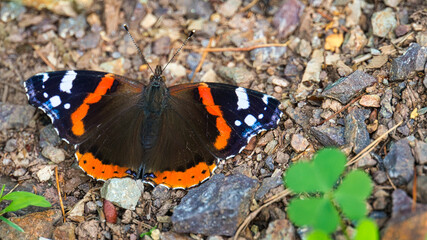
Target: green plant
(20, 200)
(366, 230)
(148, 233)
(322, 200)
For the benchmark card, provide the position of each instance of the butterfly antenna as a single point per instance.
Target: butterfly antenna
(183, 44)
(139, 50)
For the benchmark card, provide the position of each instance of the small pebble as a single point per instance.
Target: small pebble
(299, 142)
(229, 8)
(370, 101)
(45, 173)
(278, 89)
(148, 21)
(176, 70)
(10, 145)
(280, 82)
(54, 154)
(383, 22)
(90, 207)
(19, 172)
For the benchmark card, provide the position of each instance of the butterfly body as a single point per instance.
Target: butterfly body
(164, 135)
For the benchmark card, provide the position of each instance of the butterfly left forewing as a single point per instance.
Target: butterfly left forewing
(87, 108)
(68, 96)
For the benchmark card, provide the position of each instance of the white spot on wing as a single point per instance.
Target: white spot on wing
(260, 116)
(67, 106)
(55, 101)
(250, 120)
(265, 99)
(45, 76)
(237, 123)
(67, 81)
(242, 98)
(45, 95)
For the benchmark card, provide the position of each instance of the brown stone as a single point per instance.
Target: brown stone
(35, 225)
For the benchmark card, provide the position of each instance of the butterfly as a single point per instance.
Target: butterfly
(172, 136)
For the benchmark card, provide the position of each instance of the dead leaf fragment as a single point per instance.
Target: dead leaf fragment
(334, 41)
(377, 61)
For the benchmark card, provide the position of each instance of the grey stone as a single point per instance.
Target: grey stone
(268, 54)
(54, 154)
(15, 116)
(287, 19)
(11, 11)
(73, 27)
(420, 152)
(91, 207)
(269, 162)
(386, 110)
(124, 192)
(48, 136)
(229, 8)
(267, 184)
(412, 60)
(237, 75)
(366, 162)
(344, 89)
(10, 145)
(162, 46)
(329, 136)
(402, 204)
(421, 188)
(90, 41)
(160, 192)
(356, 132)
(216, 207)
(195, 7)
(383, 22)
(399, 162)
(380, 177)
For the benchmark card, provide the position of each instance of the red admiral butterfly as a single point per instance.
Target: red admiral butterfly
(171, 136)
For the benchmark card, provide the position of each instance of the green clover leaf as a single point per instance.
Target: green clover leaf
(316, 212)
(320, 175)
(366, 229)
(352, 194)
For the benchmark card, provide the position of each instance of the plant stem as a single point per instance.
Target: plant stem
(344, 228)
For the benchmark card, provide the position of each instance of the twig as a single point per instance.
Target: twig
(11, 190)
(205, 53)
(5, 92)
(339, 111)
(247, 7)
(391, 182)
(253, 214)
(414, 191)
(45, 60)
(59, 193)
(243, 49)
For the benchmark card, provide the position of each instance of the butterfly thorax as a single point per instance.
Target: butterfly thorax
(153, 101)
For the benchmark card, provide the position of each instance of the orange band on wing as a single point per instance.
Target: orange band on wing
(77, 116)
(191, 177)
(222, 126)
(96, 169)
